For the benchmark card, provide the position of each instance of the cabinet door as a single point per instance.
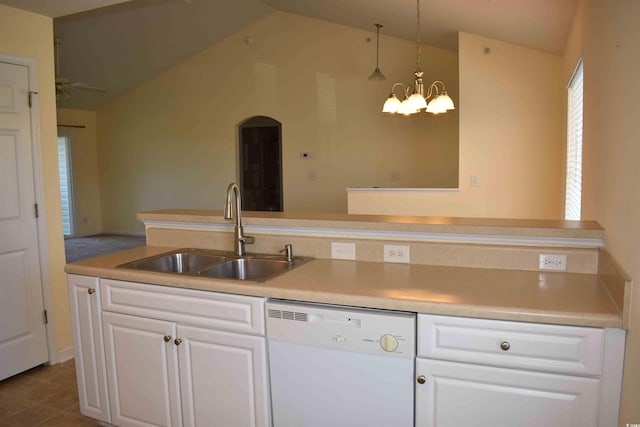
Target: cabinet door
(458, 394)
(87, 334)
(142, 371)
(223, 377)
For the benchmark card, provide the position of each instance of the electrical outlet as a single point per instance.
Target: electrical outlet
(343, 251)
(553, 262)
(396, 253)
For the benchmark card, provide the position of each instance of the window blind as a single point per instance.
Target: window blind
(66, 197)
(573, 196)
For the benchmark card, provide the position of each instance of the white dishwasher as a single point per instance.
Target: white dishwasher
(340, 366)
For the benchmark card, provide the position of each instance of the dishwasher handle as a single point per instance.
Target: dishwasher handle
(334, 320)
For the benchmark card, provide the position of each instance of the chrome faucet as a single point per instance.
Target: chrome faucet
(239, 239)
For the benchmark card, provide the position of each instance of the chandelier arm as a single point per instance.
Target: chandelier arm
(433, 86)
(440, 81)
(393, 88)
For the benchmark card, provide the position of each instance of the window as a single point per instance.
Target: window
(66, 188)
(573, 196)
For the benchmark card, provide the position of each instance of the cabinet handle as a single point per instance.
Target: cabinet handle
(505, 345)
(422, 379)
(177, 341)
(91, 291)
(167, 338)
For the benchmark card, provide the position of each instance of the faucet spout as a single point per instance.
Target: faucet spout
(239, 239)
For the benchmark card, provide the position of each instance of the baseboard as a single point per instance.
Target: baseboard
(113, 233)
(120, 233)
(66, 354)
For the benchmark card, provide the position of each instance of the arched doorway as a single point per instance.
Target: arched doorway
(260, 168)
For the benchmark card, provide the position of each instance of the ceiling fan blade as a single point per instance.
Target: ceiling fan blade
(80, 85)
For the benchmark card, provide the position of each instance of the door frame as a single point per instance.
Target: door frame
(240, 156)
(38, 182)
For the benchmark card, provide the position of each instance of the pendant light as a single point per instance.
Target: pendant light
(377, 74)
(413, 97)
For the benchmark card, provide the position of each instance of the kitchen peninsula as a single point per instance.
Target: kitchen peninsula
(477, 270)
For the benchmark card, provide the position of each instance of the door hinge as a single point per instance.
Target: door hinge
(46, 318)
(35, 210)
(31, 93)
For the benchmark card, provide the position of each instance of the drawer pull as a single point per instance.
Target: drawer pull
(505, 345)
(167, 338)
(422, 379)
(177, 341)
(91, 291)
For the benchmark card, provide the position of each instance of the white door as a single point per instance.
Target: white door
(23, 342)
(223, 377)
(87, 332)
(142, 371)
(459, 394)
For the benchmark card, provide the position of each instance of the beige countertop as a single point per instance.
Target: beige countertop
(561, 298)
(419, 224)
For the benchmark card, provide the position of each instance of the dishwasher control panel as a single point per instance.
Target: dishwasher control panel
(389, 333)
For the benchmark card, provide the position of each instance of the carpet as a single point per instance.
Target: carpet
(78, 248)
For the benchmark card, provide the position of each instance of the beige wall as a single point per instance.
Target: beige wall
(612, 152)
(86, 178)
(511, 137)
(171, 142)
(28, 34)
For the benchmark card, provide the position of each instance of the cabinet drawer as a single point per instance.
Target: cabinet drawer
(237, 313)
(549, 348)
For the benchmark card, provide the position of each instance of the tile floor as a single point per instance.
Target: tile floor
(43, 396)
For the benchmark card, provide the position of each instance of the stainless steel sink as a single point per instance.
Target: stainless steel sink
(248, 268)
(216, 264)
(181, 261)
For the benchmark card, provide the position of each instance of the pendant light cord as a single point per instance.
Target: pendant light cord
(378, 26)
(377, 44)
(418, 36)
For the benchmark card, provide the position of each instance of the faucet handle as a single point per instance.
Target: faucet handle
(288, 250)
(249, 240)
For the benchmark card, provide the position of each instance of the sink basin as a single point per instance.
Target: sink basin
(216, 264)
(247, 268)
(182, 261)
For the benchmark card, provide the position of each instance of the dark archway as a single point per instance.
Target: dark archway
(260, 168)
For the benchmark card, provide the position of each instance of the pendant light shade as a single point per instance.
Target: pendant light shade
(377, 74)
(436, 101)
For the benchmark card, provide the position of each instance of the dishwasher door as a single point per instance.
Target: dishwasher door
(340, 366)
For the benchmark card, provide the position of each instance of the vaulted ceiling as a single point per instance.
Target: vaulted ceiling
(118, 45)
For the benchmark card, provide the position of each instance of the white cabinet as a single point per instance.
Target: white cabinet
(223, 377)
(91, 376)
(142, 368)
(460, 394)
(170, 368)
(501, 373)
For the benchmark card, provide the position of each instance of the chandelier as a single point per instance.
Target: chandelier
(413, 97)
